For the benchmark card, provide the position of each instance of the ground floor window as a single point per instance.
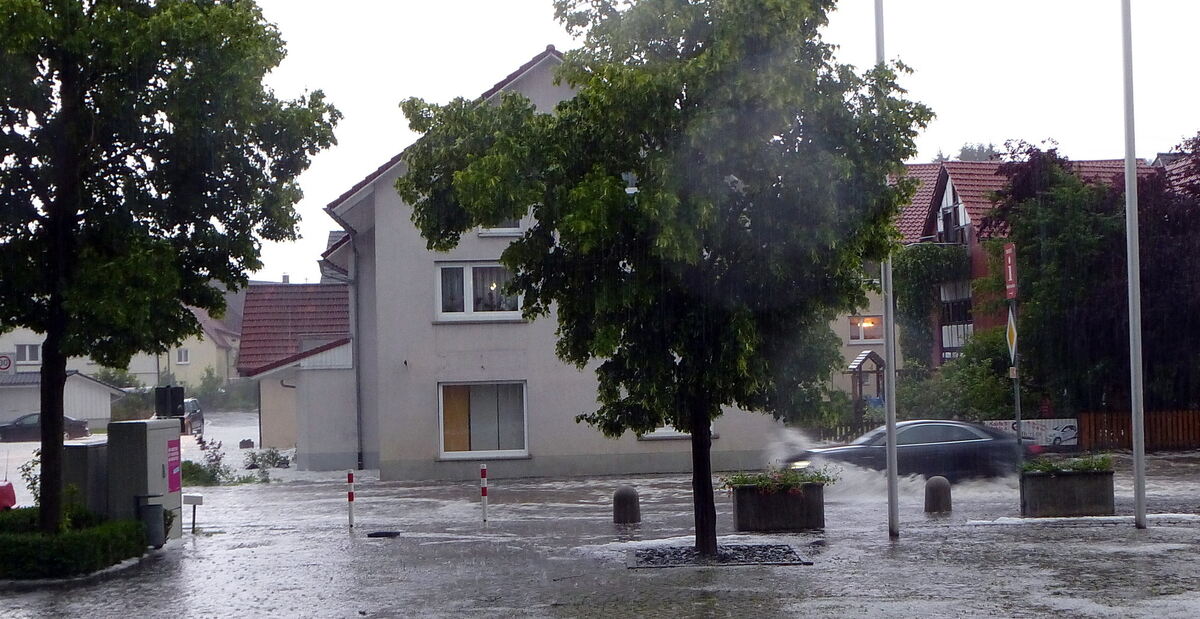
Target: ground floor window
(482, 419)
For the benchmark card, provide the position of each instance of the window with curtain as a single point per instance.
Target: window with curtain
(475, 292)
(482, 419)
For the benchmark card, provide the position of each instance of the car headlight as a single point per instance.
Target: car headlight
(801, 464)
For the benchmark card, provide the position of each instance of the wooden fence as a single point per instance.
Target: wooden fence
(1164, 430)
(841, 434)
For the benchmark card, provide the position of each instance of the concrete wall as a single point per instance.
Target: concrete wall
(326, 435)
(278, 410)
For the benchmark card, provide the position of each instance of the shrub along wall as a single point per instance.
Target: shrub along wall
(87, 546)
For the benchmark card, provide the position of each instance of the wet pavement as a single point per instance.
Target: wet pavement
(549, 549)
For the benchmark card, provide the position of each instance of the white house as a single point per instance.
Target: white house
(450, 375)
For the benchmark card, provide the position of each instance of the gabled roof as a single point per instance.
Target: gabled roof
(549, 52)
(214, 329)
(975, 182)
(26, 379)
(278, 318)
(913, 216)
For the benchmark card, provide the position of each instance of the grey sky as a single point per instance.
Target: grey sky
(991, 71)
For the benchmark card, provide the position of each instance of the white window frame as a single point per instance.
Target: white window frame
(23, 356)
(862, 339)
(491, 454)
(468, 295)
(183, 356)
(506, 231)
(668, 432)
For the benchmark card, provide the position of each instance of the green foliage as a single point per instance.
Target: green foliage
(980, 376)
(918, 271)
(761, 171)
(978, 152)
(118, 377)
(213, 471)
(211, 385)
(142, 160)
(781, 480)
(134, 405)
(92, 545)
(1073, 318)
(927, 396)
(195, 474)
(270, 458)
(31, 474)
(1095, 462)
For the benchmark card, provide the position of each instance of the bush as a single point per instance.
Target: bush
(1097, 462)
(88, 544)
(781, 480)
(215, 472)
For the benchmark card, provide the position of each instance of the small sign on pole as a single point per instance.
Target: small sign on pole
(1010, 271)
(1010, 335)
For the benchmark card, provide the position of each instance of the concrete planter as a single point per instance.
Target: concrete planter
(1067, 493)
(799, 510)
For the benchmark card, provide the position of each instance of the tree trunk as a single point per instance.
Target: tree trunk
(54, 379)
(702, 488)
(62, 215)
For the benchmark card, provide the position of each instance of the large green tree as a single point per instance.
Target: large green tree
(702, 207)
(141, 160)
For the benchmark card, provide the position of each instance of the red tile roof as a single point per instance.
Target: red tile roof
(370, 178)
(279, 316)
(975, 182)
(1108, 171)
(913, 216)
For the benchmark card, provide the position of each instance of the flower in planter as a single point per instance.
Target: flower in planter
(1095, 462)
(781, 480)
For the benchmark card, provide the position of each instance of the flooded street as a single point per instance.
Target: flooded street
(549, 549)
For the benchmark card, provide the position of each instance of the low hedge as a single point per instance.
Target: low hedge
(86, 546)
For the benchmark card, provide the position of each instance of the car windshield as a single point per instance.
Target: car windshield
(869, 437)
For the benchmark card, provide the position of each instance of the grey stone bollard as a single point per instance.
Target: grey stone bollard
(625, 506)
(937, 495)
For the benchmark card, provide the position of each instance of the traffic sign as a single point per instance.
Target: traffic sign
(1011, 335)
(1010, 271)
(6, 363)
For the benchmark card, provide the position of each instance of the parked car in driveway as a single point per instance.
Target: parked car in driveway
(953, 449)
(193, 417)
(29, 428)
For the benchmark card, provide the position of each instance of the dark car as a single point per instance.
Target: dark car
(29, 428)
(193, 417)
(953, 449)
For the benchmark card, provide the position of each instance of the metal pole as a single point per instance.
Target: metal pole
(483, 489)
(889, 343)
(1135, 281)
(1016, 379)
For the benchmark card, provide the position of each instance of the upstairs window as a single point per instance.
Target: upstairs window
(866, 329)
(475, 292)
(29, 353)
(182, 357)
(504, 227)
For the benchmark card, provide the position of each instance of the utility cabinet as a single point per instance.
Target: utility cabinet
(144, 468)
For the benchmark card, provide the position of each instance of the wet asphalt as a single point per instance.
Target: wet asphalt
(549, 549)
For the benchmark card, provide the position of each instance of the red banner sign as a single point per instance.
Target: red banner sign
(1010, 271)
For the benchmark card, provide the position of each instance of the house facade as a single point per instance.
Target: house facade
(296, 344)
(83, 396)
(449, 373)
(215, 347)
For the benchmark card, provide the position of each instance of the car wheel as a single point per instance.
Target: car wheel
(1057, 440)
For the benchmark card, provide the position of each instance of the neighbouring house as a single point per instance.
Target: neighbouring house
(84, 397)
(296, 343)
(215, 347)
(449, 373)
(951, 202)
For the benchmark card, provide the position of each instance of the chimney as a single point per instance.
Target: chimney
(286, 279)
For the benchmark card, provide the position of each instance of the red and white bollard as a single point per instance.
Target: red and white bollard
(483, 488)
(350, 496)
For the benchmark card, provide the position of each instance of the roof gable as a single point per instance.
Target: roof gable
(914, 215)
(280, 319)
(547, 54)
